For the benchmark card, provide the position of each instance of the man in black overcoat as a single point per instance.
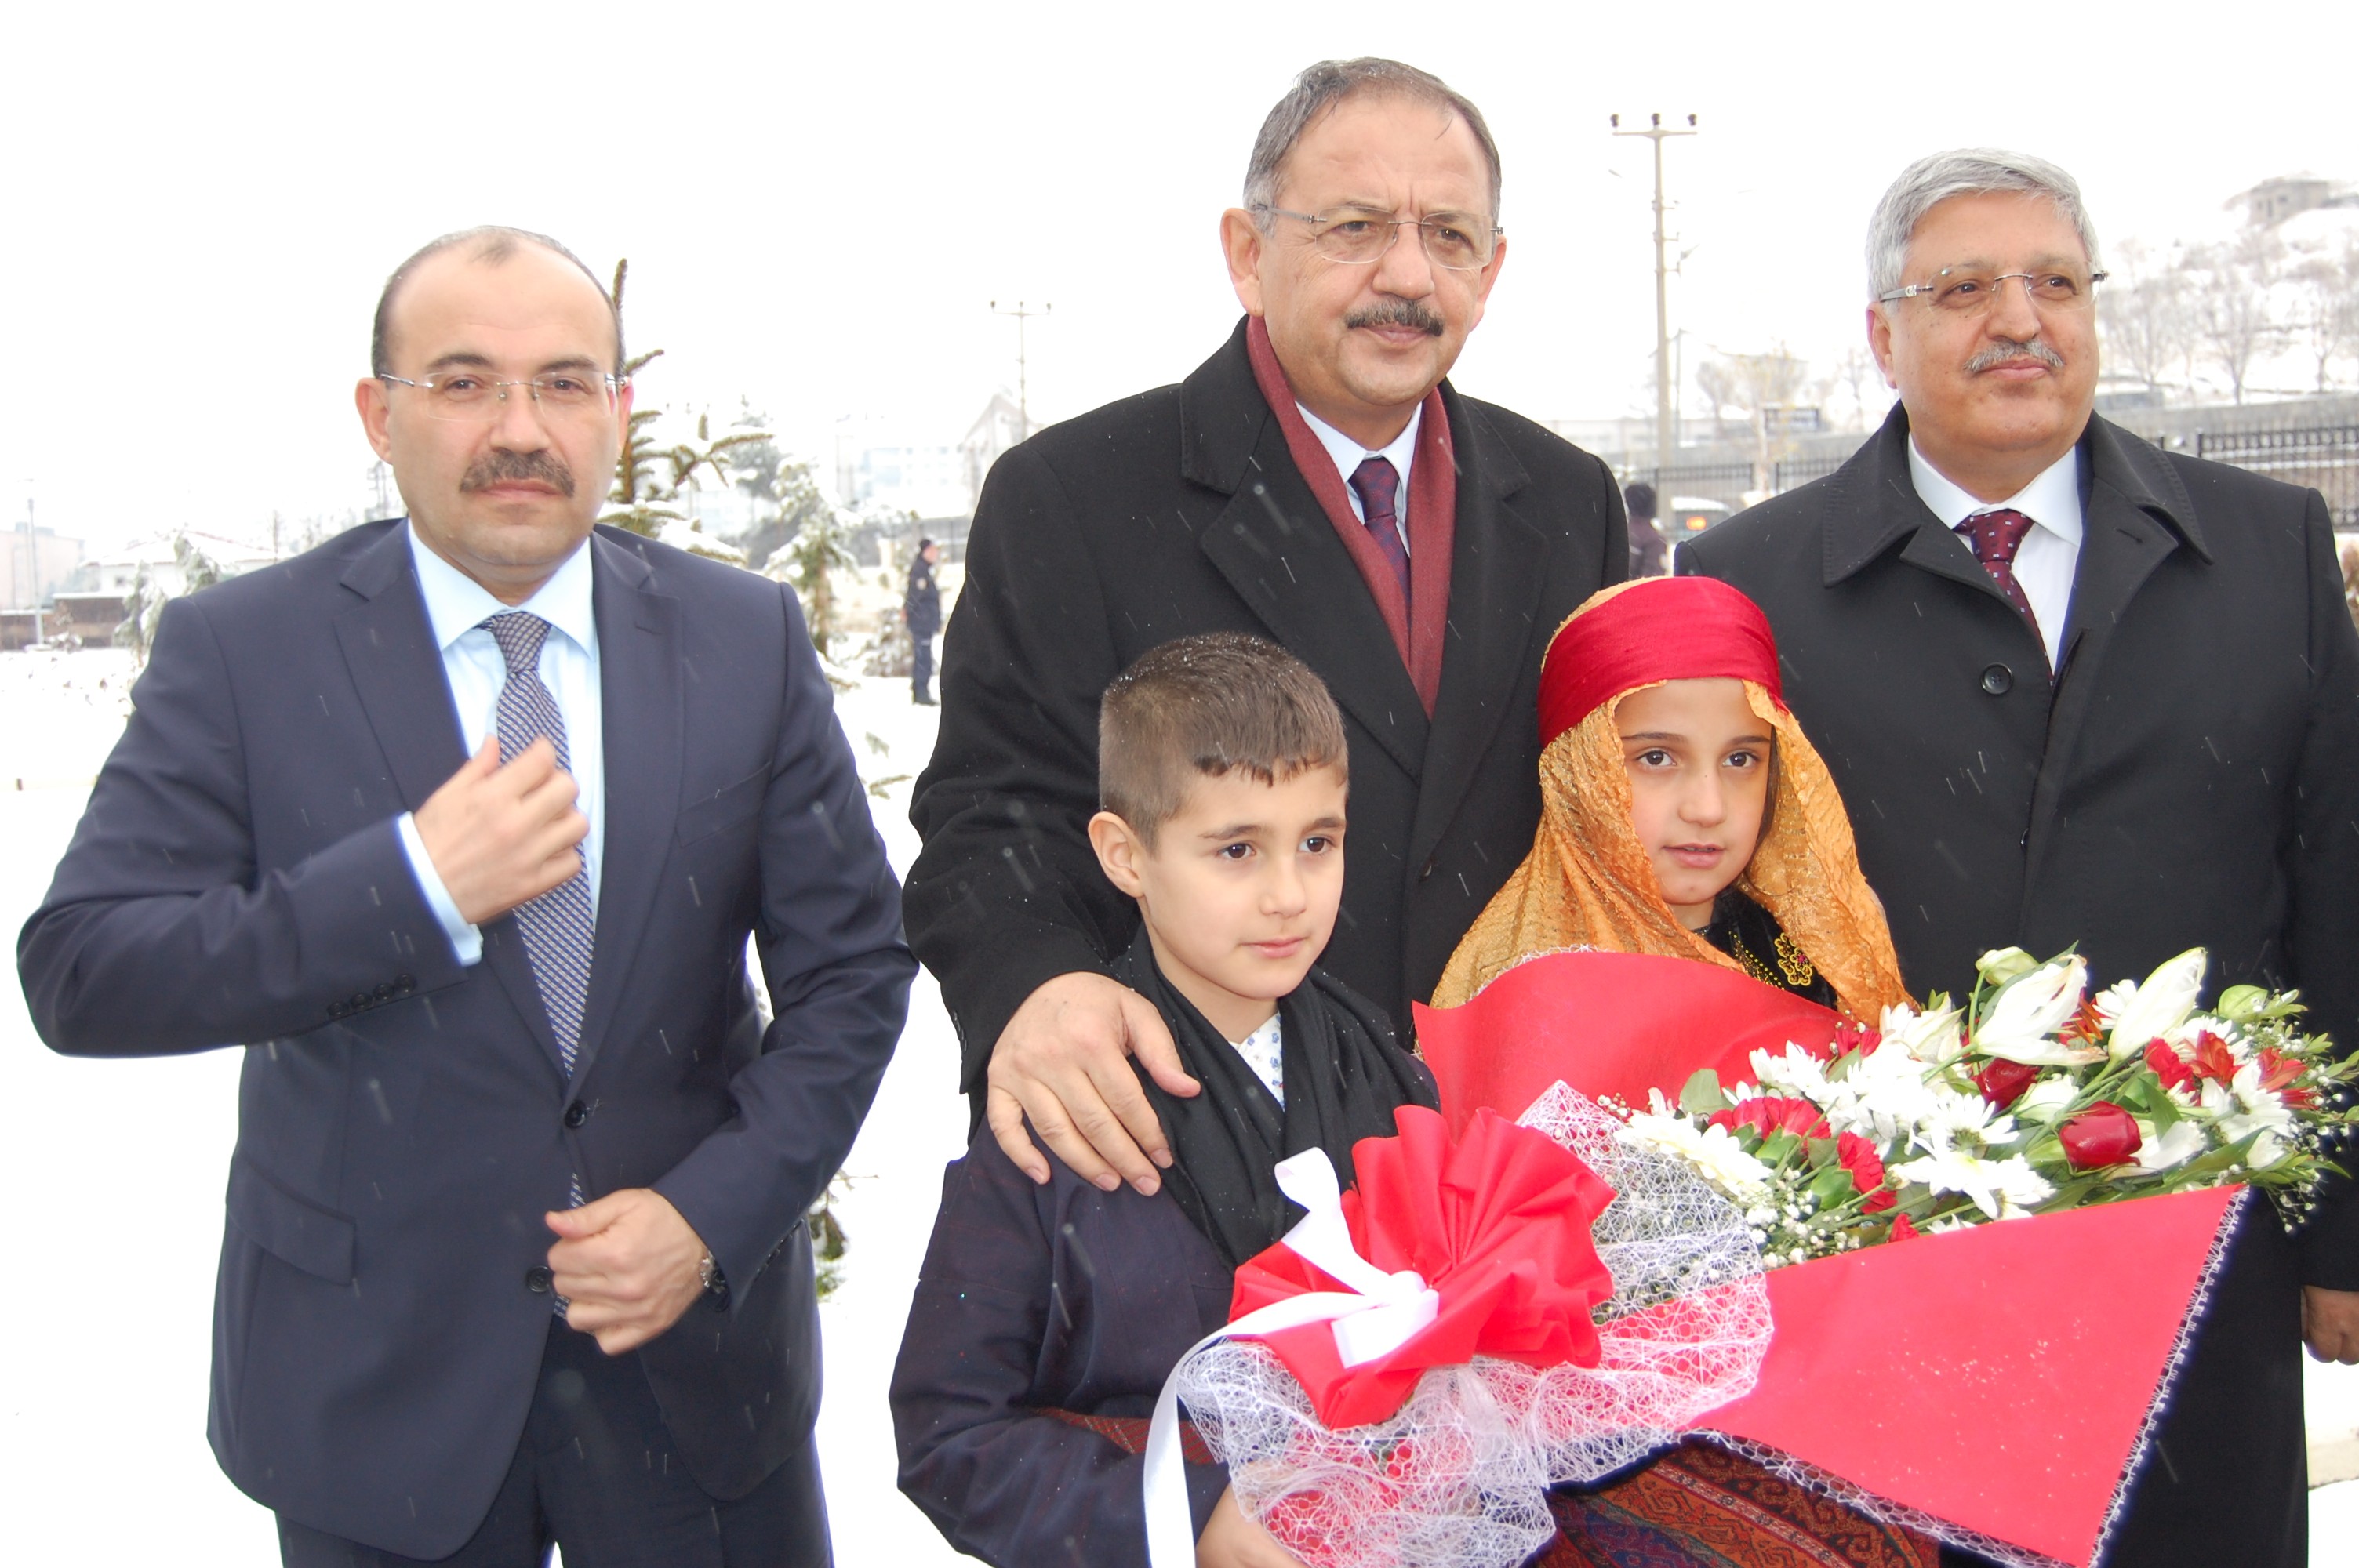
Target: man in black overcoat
(2075, 689)
(1317, 481)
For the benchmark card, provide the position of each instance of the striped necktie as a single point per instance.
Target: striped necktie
(560, 925)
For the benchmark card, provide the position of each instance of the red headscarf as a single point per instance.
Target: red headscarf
(1668, 628)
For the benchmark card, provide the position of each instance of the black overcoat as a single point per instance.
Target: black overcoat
(2192, 776)
(1181, 511)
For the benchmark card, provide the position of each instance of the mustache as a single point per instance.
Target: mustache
(2007, 348)
(504, 467)
(1415, 313)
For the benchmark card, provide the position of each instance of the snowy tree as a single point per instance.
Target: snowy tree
(2142, 312)
(2231, 284)
(813, 558)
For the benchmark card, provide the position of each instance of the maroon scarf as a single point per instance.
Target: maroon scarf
(1417, 625)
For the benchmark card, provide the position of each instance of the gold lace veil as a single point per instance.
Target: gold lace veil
(1588, 881)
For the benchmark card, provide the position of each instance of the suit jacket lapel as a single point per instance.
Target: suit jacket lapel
(396, 668)
(1492, 637)
(640, 676)
(2137, 514)
(1274, 544)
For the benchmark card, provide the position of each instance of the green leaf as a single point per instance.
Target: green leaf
(1833, 1186)
(1700, 1096)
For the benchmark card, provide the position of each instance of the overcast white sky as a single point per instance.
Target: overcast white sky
(202, 201)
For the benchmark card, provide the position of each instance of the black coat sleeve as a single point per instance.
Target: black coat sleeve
(999, 1480)
(2322, 928)
(1006, 894)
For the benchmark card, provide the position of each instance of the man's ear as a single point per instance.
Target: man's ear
(369, 398)
(1879, 343)
(1119, 851)
(1241, 244)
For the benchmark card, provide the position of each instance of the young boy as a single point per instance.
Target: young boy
(1047, 1317)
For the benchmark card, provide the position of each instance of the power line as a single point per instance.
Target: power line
(1023, 401)
(1665, 432)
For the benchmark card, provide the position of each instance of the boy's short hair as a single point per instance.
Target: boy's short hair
(1207, 706)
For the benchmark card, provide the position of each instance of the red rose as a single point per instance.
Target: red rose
(1852, 1035)
(2003, 1082)
(1860, 1157)
(2212, 1058)
(1902, 1230)
(2104, 1134)
(1771, 1114)
(2167, 1064)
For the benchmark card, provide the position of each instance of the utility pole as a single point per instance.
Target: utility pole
(1665, 432)
(1023, 399)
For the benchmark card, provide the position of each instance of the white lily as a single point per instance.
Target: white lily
(2181, 1142)
(2048, 1100)
(2030, 1009)
(1933, 1037)
(2159, 1005)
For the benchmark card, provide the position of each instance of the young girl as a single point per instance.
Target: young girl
(1684, 815)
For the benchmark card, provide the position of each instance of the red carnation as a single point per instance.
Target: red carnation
(1772, 1114)
(2003, 1082)
(1861, 1158)
(1852, 1035)
(2212, 1058)
(2167, 1066)
(2104, 1134)
(1902, 1230)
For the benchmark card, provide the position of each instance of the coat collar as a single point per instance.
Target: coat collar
(1872, 503)
(1274, 544)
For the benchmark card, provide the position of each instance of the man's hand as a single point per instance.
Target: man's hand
(1233, 1540)
(499, 835)
(1060, 1062)
(627, 1265)
(2330, 1322)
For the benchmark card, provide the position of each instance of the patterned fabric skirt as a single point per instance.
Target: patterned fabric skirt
(1701, 1507)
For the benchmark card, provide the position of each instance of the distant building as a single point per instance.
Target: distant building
(34, 565)
(999, 427)
(927, 481)
(2272, 201)
(116, 573)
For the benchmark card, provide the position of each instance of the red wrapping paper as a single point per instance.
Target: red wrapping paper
(1997, 1377)
(1497, 1223)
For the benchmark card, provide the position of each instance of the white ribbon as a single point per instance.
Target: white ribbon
(1377, 1315)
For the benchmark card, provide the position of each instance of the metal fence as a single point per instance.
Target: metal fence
(2323, 457)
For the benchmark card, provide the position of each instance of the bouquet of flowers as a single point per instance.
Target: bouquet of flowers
(2033, 1097)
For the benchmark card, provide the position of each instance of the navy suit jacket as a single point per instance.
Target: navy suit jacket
(403, 1123)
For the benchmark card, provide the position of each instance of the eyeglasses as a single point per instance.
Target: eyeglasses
(472, 396)
(1357, 236)
(1971, 294)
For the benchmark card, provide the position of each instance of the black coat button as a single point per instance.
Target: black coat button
(576, 1114)
(1998, 679)
(538, 1279)
(383, 994)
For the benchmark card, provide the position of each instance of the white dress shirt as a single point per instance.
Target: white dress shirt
(456, 607)
(2051, 552)
(1348, 455)
(1265, 1052)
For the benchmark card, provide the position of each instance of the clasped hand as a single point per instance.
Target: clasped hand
(502, 835)
(628, 1266)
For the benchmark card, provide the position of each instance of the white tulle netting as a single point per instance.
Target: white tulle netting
(1458, 1478)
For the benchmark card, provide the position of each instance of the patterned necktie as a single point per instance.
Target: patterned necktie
(1377, 484)
(557, 926)
(1996, 536)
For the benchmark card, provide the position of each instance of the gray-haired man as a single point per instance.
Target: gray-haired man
(2077, 690)
(1316, 481)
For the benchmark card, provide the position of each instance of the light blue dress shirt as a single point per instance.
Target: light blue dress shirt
(456, 607)
(1348, 455)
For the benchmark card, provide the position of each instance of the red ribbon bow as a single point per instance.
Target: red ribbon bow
(1497, 1225)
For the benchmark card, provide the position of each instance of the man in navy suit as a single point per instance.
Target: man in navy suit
(460, 824)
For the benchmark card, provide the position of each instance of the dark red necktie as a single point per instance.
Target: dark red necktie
(1377, 484)
(1996, 536)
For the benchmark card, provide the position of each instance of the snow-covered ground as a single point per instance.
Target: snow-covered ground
(117, 1171)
